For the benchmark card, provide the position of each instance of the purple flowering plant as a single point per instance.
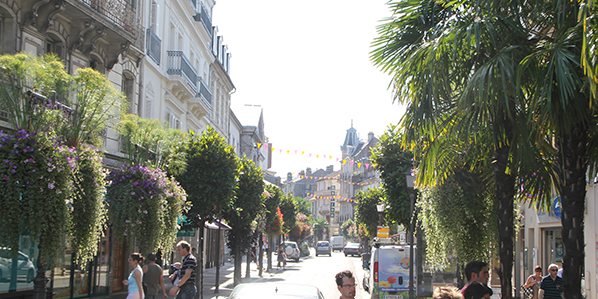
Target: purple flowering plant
(143, 206)
(35, 176)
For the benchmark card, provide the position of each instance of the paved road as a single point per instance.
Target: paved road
(319, 271)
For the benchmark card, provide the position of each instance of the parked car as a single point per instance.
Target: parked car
(292, 250)
(275, 290)
(352, 249)
(323, 247)
(25, 268)
(387, 271)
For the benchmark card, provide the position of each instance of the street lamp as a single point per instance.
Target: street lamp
(410, 179)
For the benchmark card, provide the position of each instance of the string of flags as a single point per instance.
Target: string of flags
(335, 178)
(333, 197)
(310, 155)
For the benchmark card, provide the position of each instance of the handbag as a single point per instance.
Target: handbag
(527, 292)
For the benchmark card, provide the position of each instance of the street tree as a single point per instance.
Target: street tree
(288, 207)
(393, 162)
(320, 227)
(210, 180)
(273, 217)
(243, 211)
(366, 213)
(303, 206)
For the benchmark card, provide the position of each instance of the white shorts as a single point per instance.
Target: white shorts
(134, 295)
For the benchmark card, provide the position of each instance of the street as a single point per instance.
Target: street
(318, 271)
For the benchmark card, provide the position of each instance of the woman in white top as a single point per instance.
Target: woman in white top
(135, 278)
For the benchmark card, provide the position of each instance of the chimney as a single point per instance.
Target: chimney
(370, 136)
(289, 176)
(308, 171)
(329, 169)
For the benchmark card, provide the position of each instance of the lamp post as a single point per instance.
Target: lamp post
(410, 179)
(380, 209)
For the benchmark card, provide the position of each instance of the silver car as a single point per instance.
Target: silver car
(275, 290)
(323, 247)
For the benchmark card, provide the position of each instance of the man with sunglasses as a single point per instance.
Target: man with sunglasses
(346, 284)
(552, 285)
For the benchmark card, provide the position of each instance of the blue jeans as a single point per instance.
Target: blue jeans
(187, 292)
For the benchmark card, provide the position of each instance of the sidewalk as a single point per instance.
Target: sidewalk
(226, 280)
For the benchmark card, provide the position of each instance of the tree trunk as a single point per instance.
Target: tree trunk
(260, 259)
(248, 265)
(505, 191)
(238, 259)
(270, 240)
(199, 269)
(573, 153)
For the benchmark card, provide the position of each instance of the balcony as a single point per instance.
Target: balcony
(204, 92)
(179, 66)
(118, 12)
(154, 46)
(205, 19)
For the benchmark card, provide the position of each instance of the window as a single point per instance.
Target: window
(127, 87)
(173, 120)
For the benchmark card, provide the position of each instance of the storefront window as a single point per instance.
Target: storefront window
(553, 247)
(17, 269)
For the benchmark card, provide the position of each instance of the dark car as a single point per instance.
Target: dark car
(275, 290)
(352, 249)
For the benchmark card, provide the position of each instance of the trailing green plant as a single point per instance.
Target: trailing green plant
(35, 174)
(151, 143)
(457, 220)
(89, 210)
(144, 205)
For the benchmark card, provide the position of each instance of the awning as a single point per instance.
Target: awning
(217, 224)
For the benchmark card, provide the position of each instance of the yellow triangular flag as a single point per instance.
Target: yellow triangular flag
(259, 145)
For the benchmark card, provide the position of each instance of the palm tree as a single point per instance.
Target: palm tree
(454, 65)
(562, 111)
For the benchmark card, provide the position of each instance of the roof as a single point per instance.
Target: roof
(351, 138)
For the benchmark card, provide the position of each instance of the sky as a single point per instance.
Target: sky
(307, 64)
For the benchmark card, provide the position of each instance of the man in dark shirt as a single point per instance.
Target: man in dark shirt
(476, 271)
(552, 285)
(186, 285)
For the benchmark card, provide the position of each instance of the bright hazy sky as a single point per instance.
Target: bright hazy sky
(307, 64)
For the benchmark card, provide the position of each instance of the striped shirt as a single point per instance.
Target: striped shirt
(189, 264)
(553, 288)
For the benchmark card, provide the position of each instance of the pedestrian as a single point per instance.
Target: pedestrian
(152, 278)
(254, 252)
(281, 257)
(477, 290)
(421, 289)
(345, 282)
(532, 284)
(551, 286)
(476, 271)
(186, 286)
(135, 286)
(447, 293)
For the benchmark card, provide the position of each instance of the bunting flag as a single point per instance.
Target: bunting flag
(333, 197)
(311, 155)
(335, 178)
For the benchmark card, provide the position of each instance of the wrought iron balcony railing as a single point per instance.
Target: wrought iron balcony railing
(179, 65)
(204, 92)
(120, 12)
(205, 19)
(154, 46)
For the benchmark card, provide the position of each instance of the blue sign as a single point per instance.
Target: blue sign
(556, 207)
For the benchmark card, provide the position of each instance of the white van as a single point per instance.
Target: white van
(337, 243)
(387, 272)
